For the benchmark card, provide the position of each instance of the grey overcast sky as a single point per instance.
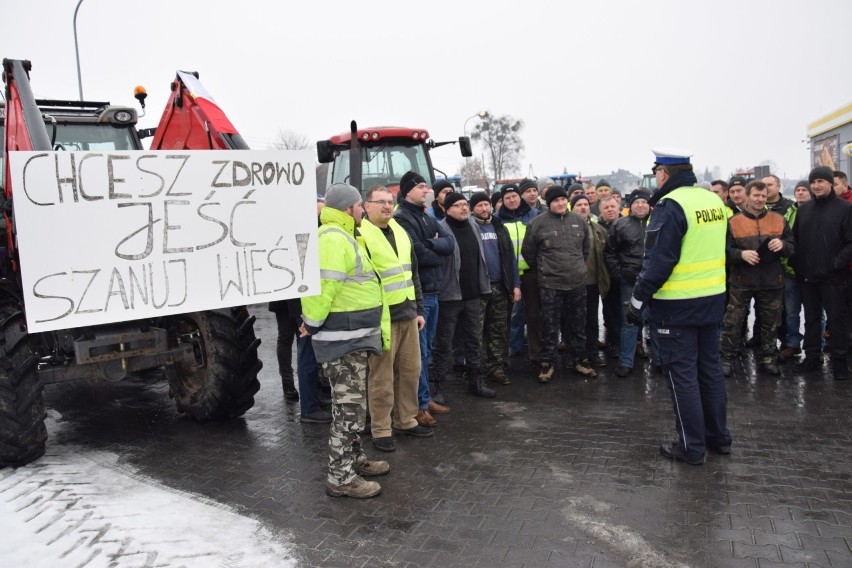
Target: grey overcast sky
(598, 84)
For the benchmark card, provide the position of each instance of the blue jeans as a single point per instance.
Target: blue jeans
(308, 371)
(629, 332)
(427, 338)
(516, 327)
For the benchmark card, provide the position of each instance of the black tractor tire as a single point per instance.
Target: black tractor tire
(224, 381)
(22, 430)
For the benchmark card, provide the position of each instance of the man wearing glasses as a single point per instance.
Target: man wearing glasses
(394, 374)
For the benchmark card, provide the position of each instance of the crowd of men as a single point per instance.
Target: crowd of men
(412, 294)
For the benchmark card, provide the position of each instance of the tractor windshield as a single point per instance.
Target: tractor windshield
(384, 163)
(91, 137)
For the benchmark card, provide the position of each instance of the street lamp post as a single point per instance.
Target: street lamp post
(480, 114)
(77, 52)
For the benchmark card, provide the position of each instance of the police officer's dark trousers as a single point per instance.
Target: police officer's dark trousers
(689, 356)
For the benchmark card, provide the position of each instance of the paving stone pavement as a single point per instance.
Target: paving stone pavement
(565, 474)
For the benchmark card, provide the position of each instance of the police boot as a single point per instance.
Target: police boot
(476, 384)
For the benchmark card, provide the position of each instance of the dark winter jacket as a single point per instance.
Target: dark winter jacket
(508, 262)
(596, 269)
(524, 213)
(625, 248)
(450, 286)
(747, 231)
(431, 244)
(823, 233)
(557, 247)
(780, 206)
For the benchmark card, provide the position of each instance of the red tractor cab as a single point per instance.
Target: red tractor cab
(383, 155)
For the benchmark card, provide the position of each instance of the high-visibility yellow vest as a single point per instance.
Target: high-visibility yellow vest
(700, 272)
(517, 230)
(393, 268)
(350, 308)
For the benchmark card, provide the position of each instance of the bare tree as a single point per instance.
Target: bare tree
(501, 136)
(472, 172)
(291, 140)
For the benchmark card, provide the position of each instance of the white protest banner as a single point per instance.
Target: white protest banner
(106, 237)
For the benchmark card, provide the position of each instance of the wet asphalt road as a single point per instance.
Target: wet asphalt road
(564, 474)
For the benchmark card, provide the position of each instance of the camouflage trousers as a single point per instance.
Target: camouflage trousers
(348, 378)
(768, 305)
(495, 327)
(572, 322)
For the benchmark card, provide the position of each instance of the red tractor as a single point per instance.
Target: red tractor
(379, 156)
(209, 358)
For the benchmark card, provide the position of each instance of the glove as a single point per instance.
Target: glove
(634, 312)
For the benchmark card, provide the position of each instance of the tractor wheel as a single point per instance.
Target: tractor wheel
(22, 430)
(222, 382)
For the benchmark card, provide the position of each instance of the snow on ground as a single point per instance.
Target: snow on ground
(77, 508)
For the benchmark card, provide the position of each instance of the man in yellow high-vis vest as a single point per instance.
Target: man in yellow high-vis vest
(394, 374)
(682, 285)
(347, 322)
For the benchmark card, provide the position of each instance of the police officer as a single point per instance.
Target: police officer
(348, 320)
(682, 285)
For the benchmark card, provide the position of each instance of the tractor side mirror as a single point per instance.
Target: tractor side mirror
(325, 151)
(464, 146)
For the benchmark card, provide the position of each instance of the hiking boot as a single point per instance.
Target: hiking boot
(582, 369)
(545, 372)
(425, 419)
(367, 468)
(500, 377)
(437, 392)
(622, 371)
(290, 392)
(385, 444)
(727, 367)
(789, 352)
(771, 367)
(318, 417)
(476, 384)
(811, 363)
(597, 360)
(435, 408)
(358, 488)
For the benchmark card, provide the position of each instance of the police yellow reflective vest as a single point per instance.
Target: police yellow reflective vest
(700, 272)
(517, 230)
(393, 268)
(350, 313)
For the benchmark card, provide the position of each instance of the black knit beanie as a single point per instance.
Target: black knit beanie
(408, 181)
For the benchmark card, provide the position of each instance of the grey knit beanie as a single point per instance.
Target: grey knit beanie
(341, 196)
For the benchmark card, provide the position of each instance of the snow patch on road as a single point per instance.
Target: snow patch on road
(77, 508)
(512, 422)
(585, 513)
